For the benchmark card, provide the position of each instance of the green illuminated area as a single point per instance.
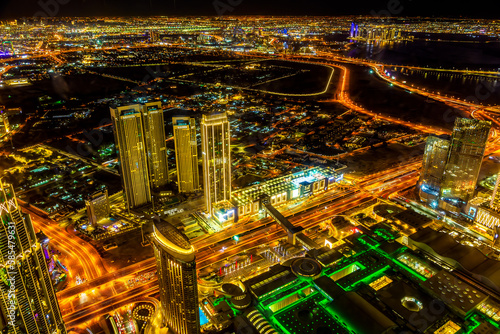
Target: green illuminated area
(307, 316)
(315, 305)
(283, 297)
(341, 273)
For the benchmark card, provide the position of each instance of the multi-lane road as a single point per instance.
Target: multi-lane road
(109, 291)
(83, 257)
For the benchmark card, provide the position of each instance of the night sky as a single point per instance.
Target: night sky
(28, 8)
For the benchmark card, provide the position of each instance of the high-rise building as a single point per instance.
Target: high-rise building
(154, 36)
(176, 265)
(28, 303)
(468, 143)
(156, 147)
(434, 161)
(141, 144)
(4, 122)
(495, 197)
(130, 143)
(216, 151)
(97, 207)
(186, 154)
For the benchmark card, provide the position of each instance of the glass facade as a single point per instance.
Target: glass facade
(186, 154)
(140, 140)
(216, 151)
(434, 161)
(156, 148)
(97, 207)
(175, 261)
(468, 143)
(129, 141)
(28, 303)
(495, 198)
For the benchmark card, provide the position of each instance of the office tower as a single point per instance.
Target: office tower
(154, 36)
(97, 207)
(156, 147)
(352, 32)
(28, 303)
(216, 150)
(495, 197)
(176, 265)
(468, 142)
(186, 154)
(4, 122)
(434, 161)
(130, 143)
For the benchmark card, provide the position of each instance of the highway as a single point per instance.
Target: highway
(307, 215)
(80, 256)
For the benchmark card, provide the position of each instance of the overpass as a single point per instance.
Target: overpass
(295, 235)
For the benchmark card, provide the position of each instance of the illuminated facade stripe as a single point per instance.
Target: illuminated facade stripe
(186, 154)
(468, 143)
(37, 309)
(216, 151)
(487, 218)
(177, 279)
(129, 141)
(156, 148)
(495, 198)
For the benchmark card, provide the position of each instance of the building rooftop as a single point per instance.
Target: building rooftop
(266, 283)
(443, 246)
(351, 307)
(386, 211)
(412, 218)
(172, 240)
(410, 303)
(456, 293)
(282, 184)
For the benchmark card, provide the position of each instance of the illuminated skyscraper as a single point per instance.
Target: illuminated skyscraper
(435, 158)
(176, 265)
(468, 142)
(156, 147)
(495, 198)
(97, 207)
(186, 154)
(216, 150)
(140, 141)
(4, 122)
(154, 36)
(28, 303)
(130, 143)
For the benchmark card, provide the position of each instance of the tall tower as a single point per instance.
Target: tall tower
(468, 142)
(186, 154)
(176, 265)
(28, 303)
(97, 205)
(4, 122)
(156, 147)
(130, 143)
(495, 198)
(216, 150)
(435, 158)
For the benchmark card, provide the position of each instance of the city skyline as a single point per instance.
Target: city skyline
(229, 173)
(11, 9)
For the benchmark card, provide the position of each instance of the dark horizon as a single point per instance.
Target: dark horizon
(11, 9)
